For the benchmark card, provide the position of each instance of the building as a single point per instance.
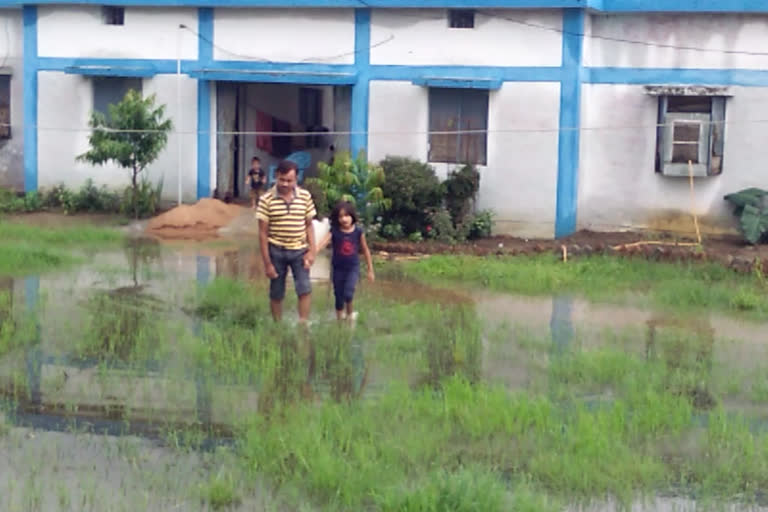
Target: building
(558, 100)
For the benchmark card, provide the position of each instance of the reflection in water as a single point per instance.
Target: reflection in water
(294, 365)
(689, 349)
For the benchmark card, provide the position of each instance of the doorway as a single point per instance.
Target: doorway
(246, 110)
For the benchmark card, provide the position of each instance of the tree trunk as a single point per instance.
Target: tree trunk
(134, 193)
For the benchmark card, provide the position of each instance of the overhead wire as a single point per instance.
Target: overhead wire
(649, 126)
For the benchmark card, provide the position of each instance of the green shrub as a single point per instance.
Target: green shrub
(319, 197)
(415, 236)
(460, 190)
(414, 189)
(147, 199)
(751, 206)
(441, 226)
(392, 231)
(355, 180)
(10, 202)
(480, 225)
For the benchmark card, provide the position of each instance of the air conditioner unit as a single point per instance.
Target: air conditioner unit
(687, 138)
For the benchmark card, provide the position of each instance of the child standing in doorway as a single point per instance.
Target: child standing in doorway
(347, 239)
(256, 179)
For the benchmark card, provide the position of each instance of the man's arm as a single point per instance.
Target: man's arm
(309, 258)
(262, 214)
(269, 268)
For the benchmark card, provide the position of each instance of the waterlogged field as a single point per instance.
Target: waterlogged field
(137, 376)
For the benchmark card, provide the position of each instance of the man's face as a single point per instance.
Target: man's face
(286, 182)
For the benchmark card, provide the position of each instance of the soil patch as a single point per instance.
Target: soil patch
(731, 251)
(199, 221)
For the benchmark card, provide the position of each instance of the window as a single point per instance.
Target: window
(113, 15)
(691, 129)
(461, 18)
(111, 90)
(458, 110)
(5, 106)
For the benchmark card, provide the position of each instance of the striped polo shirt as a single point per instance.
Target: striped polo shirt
(287, 219)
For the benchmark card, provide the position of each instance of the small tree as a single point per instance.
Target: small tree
(357, 181)
(133, 135)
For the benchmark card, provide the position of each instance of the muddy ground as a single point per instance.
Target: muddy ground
(731, 251)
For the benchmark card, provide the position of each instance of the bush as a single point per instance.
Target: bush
(147, 199)
(751, 206)
(318, 197)
(89, 198)
(460, 189)
(392, 231)
(414, 189)
(357, 181)
(480, 225)
(441, 226)
(10, 202)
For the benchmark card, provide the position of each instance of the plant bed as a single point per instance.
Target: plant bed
(730, 251)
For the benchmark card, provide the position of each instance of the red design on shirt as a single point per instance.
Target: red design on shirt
(347, 248)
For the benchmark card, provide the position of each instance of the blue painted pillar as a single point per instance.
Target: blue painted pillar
(570, 123)
(205, 58)
(358, 140)
(29, 15)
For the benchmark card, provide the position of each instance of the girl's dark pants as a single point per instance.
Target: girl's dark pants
(344, 282)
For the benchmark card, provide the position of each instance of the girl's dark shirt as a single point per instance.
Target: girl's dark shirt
(346, 248)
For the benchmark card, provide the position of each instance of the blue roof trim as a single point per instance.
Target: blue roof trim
(378, 4)
(755, 6)
(640, 76)
(110, 71)
(291, 77)
(148, 66)
(460, 83)
(504, 74)
(680, 5)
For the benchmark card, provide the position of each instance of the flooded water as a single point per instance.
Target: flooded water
(59, 388)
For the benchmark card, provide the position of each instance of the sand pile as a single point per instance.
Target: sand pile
(194, 222)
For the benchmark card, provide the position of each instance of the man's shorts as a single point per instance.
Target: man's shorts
(282, 259)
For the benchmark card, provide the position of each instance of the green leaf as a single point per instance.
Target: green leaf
(754, 223)
(748, 196)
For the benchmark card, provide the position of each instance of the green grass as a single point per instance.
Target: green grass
(400, 414)
(28, 249)
(428, 432)
(601, 278)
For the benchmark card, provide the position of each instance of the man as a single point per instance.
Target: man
(256, 179)
(287, 238)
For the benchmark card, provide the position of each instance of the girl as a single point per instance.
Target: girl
(347, 238)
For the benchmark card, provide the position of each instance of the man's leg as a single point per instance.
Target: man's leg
(302, 285)
(277, 285)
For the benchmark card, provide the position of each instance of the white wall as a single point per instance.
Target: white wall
(64, 107)
(148, 33)
(423, 37)
(520, 181)
(287, 35)
(11, 52)
(740, 32)
(617, 183)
